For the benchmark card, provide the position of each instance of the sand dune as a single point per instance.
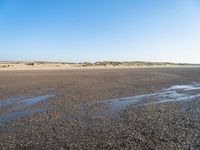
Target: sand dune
(41, 65)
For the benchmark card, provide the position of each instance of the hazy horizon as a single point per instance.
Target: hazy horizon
(97, 30)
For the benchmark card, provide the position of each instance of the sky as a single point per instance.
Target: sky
(96, 30)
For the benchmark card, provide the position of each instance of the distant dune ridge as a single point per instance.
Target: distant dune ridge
(29, 65)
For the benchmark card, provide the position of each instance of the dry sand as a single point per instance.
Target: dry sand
(9, 66)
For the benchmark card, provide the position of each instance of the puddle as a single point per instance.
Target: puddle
(18, 114)
(18, 106)
(172, 94)
(34, 100)
(21, 100)
(194, 86)
(22, 106)
(191, 110)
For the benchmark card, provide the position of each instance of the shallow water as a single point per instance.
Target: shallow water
(172, 94)
(26, 101)
(18, 114)
(22, 106)
(193, 86)
(19, 106)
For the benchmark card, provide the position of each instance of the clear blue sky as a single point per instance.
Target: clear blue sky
(93, 30)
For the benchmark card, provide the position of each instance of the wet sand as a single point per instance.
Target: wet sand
(140, 108)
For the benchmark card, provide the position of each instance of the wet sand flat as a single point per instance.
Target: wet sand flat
(138, 108)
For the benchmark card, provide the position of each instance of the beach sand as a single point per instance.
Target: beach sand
(80, 109)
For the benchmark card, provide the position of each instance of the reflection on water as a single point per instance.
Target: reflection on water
(172, 94)
(193, 86)
(18, 101)
(23, 106)
(18, 114)
(19, 106)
